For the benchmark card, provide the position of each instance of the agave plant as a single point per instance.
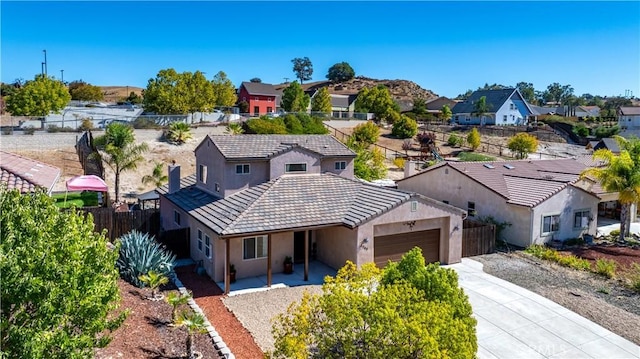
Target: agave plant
(195, 324)
(154, 280)
(176, 299)
(179, 132)
(140, 254)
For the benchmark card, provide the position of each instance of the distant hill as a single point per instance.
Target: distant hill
(403, 91)
(116, 93)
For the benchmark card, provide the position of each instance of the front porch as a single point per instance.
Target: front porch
(317, 272)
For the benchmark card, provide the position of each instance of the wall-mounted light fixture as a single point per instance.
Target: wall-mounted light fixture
(410, 224)
(364, 242)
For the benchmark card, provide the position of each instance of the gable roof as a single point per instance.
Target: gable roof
(267, 146)
(289, 202)
(342, 101)
(25, 174)
(495, 99)
(527, 183)
(630, 110)
(608, 143)
(259, 88)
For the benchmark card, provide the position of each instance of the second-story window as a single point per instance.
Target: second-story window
(202, 173)
(295, 167)
(340, 165)
(243, 169)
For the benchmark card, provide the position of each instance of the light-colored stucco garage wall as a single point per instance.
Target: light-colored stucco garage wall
(426, 216)
(295, 155)
(336, 245)
(565, 203)
(447, 184)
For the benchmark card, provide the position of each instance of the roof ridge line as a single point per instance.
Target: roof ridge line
(269, 185)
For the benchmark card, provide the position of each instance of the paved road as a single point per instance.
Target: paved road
(516, 323)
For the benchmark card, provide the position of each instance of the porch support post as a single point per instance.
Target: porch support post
(306, 256)
(269, 260)
(227, 271)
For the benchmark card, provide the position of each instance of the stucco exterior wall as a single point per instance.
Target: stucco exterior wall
(565, 203)
(329, 165)
(447, 184)
(207, 154)
(630, 122)
(167, 217)
(234, 182)
(295, 155)
(336, 245)
(426, 216)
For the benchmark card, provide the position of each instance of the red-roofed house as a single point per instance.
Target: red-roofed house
(25, 174)
(540, 199)
(262, 98)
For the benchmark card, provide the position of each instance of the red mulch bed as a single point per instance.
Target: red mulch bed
(146, 332)
(624, 256)
(209, 297)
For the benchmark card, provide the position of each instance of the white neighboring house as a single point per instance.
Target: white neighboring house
(629, 118)
(506, 107)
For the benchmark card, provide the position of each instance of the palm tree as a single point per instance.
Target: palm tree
(154, 280)
(118, 150)
(622, 175)
(176, 299)
(157, 177)
(194, 323)
(235, 128)
(179, 132)
(481, 108)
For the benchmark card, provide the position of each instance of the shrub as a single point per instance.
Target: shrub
(615, 233)
(140, 254)
(145, 123)
(633, 277)
(574, 262)
(553, 255)
(29, 130)
(606, 267)
(454, 140)
(474, 157)
(573, 241)
(405, 127)
(265, 125)
(86, 125)
(366, 133)
(473, 139)
(399, 162)
(602, 131)
(179, 132)
(581, 130)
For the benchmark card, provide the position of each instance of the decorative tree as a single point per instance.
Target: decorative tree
(303, 68)
(522, 144)
(378, 101)
(294, 99)
(157, 176)
(118, 150)
(321, 102)
(179, 133)
(223, 90)
(176, 299)
(366, 133)
(405, 127)
(473, 139)
(154, 280)
(194, 323)
(481, 108)
(340, 72)
(419, 106)
(59, 282)
(234, 128)
(38, 97)
(445, 113)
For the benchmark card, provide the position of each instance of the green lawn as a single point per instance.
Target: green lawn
(84, 199)
(473, 157)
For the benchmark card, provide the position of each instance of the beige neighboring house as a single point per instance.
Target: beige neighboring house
(25, 174)
(256, 199)
(540, 199)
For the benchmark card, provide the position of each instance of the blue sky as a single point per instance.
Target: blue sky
(447, 47)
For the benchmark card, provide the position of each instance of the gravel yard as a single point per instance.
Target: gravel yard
(602, 301)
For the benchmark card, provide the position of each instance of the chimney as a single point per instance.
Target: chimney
(174, 177)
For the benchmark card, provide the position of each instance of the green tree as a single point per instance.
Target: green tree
(293, 124)
(133, 98)
(473, 139)
(195, 324)
(557, 93)
(178, 93)
(157, 176)
(176, 299)
(340, 72)
(312, 125)
(368, 164)
(445, 113)
(195, 93)
(378, 101)
(527, 90)
(419, 106)
(303, 68)
(59, 281)
(294, 99)
(366, 133)
(256, 80)
(522, 144)
(321, 102)
(38, 97)
(224, 91)
(405, 127)
(363, 314)
(117, 148)
(622, 175)
(154, 280)
(87, 92)
(481, 107)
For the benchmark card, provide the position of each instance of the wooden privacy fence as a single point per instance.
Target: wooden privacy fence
(478, 238)
(119, 223)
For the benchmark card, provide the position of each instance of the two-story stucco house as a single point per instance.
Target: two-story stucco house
(262, 98)
(629, 118)
(256, 199)
(505, 107)
(540, 200)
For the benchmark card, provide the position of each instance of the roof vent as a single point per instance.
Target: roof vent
(508, 166)
(489, 165)
(548, 177)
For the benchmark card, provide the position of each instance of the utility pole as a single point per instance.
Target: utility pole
(62, 76)
(45, 62)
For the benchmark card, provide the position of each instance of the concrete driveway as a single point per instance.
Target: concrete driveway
(514, 322)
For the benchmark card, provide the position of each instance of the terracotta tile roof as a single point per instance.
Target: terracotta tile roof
(267, 146)
(289, 202)
(25, 174)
